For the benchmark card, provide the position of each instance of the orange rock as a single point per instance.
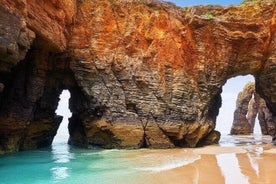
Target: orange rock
(127, 63)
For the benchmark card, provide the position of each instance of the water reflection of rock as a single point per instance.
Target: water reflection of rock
(61, 157)
(230, 168)
(59, 173)
(265, 167)
(247, 162)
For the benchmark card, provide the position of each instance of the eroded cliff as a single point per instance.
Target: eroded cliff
(140, 73)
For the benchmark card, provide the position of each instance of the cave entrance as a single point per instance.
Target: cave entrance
(229, 95)
(62, 135)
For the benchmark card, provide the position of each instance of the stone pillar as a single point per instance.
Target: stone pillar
(253, 107)
(240, 123)
(247, 109)
(266, 119)
(263, 114)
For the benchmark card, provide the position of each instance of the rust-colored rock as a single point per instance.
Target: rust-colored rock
(140, 73)
(15, 39)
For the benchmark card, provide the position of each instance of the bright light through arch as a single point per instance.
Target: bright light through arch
(63, 110)
(229, 95)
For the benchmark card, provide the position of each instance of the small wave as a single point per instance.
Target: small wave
(101, 152)
(112, 150)
(172, 164)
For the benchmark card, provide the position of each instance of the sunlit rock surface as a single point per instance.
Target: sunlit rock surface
(265, 117)
(249, 105)
(241, 123)
(140, 74)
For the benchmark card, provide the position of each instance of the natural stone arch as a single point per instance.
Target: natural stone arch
(249, 105)
(183, 97)
(144, 74)
(30, 98)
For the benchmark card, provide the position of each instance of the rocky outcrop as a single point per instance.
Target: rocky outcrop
(265, 117)
(249, 105)
(33, 71)
(15, 39)
(140, 73)
(242, 124)
(252, 113)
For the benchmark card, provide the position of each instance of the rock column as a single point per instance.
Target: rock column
(253, 107)
(240, 122)
(248, 108)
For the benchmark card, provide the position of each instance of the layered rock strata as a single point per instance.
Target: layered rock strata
(249, 105)
(140, 73)
(265, 117)
(241, 123)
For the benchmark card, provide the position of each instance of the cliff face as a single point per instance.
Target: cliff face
(34, 68)
(23, 20)
(141, 74)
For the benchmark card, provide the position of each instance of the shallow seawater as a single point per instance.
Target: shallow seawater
(238, 159)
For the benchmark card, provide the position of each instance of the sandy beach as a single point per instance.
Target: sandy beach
(236, 160)
(245, 160)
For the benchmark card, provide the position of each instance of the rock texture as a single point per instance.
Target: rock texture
(242, 124)
(249, 105)
(140, 73)
(252, 113)
(265, 117)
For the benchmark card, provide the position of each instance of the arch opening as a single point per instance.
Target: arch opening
(62, 135)
(239, 110)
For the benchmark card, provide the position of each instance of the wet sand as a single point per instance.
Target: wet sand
(238, 160)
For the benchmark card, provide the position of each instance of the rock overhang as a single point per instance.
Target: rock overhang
(141, 74)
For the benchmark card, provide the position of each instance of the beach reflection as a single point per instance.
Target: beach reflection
(61, 157)
(61, 153)
(248, 161)
(60, 172)
(230, 169)
(265, 163)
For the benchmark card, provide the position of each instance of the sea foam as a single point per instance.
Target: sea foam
(171, 163)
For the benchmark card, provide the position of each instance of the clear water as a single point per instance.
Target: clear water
(63, 164)
(237, 159)
(66, 165)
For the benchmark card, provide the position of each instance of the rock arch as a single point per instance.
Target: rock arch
(249, 105)
(140, 73)
(241, 123)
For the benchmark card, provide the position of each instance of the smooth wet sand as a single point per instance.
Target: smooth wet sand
(245, 160)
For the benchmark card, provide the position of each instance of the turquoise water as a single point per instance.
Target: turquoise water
(68, 165)
(238, 159)
(63, 164)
